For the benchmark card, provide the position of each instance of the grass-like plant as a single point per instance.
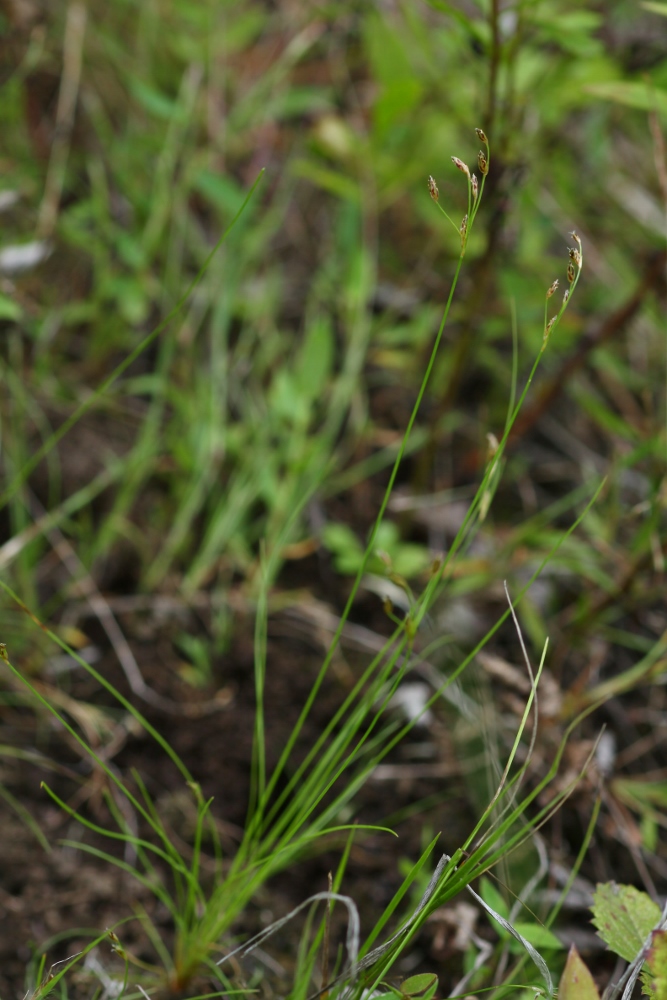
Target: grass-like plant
(288, 814)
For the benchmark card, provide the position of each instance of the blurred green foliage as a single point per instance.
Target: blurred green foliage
(295, 361)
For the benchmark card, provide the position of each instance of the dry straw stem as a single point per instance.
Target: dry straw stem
(75, 29)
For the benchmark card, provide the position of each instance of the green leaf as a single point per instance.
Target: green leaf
(539, 937)
(657, 959)
(656, 8)
(415, 985)
(298, 101)
(154, 101)
(410, 559)
(624, 917)
(638, 794)
(9, 309)
(647, 984)
(577, 983)
(491, 895)
(315, 360)
(634, 95)
(329, 180)
(344, 546)
(221, 191)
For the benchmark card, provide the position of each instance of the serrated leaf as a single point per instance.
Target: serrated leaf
(647, 984)
(577, 983)
(657, 959)
(624, 917)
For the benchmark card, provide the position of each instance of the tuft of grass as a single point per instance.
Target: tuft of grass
(283, 824)
(259, 399)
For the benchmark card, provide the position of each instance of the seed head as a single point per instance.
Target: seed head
(433, 189)
(570, 272)
(475, 186)
(460, 165)
(566, 295)
(576, 238)
(548, 329)
(482, 163)
(574, 255)
(481, 135)
(552, 288)
(464, 228)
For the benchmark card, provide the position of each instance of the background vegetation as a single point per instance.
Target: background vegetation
(234, 467)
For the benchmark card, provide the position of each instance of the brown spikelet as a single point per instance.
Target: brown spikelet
(460, 165)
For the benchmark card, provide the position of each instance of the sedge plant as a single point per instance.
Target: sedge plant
(289, 814)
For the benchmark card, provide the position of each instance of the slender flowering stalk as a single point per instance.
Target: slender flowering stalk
(438, 580)
(574, 266)
(262, 809)
(464, 232)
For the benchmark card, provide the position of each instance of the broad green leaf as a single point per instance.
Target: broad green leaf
(634, 95)
(396, 101)
(9, 309)
(539, 937)
(657, 959)
(416, 985)
(656, 8)
(315, 360)
(577, 983)
(154, 101)
(491, 895)
(344, 546)
(638, 794)
(410, 559)
(222, 191)
(624, 917)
